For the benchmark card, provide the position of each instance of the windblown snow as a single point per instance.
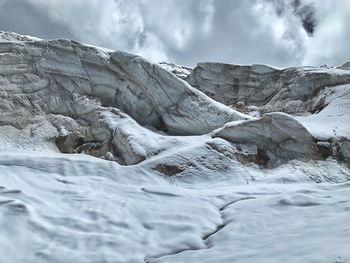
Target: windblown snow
(107, 157)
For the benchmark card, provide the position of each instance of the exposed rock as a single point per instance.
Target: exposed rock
(324, 149)
(240, 106)
(68, 143)
(168, 169)
(341, 149)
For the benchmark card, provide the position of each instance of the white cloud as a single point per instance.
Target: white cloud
(330, 43)
(276, 32)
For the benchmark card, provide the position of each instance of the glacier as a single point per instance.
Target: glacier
(108, 157)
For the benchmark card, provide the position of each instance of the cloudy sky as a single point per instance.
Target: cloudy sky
(275, 32)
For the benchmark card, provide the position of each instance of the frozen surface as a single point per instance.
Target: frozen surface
(76, 208)
(204, 195)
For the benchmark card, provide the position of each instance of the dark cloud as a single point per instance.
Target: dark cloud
(304, 11)
(307, 16)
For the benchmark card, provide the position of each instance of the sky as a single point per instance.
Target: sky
(279, 33)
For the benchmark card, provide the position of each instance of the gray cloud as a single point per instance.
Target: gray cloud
(306, 13)
(275, 32)
(303, 10)
(25, 18)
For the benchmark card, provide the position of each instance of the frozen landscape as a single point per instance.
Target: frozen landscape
(107, 157)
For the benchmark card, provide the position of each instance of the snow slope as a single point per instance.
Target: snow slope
(76, 208)
(334, 119)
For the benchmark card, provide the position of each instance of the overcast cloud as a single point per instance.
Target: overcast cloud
(276, 32)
